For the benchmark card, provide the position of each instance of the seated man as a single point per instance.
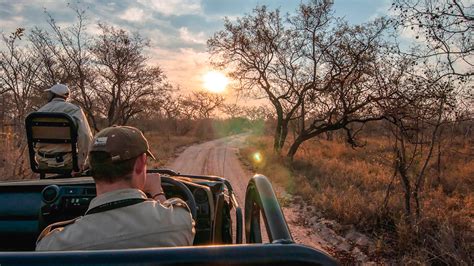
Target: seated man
(59, 155)
(121, 216)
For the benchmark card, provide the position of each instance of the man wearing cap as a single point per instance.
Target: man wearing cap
(59, 155)
(121, 216)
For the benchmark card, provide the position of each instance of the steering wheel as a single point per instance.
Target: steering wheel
(183, 188)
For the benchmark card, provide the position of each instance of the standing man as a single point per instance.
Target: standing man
(59, 155)
(121, 216)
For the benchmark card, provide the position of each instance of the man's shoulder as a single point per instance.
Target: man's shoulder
(71, 105)
(59, 106)
(50, 231)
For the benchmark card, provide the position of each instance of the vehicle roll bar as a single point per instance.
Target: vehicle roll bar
(260, 198)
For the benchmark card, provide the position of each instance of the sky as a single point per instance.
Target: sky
(177, 29)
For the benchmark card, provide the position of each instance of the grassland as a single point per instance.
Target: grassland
(351, 185)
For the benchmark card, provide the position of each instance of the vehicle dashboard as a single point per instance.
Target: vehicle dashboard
(26, 207)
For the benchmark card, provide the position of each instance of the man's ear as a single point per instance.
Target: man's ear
(140, 163)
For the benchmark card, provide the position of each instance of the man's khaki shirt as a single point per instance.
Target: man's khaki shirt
(84, 135)
(146, 224)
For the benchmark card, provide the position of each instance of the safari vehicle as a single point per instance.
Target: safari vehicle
(26, 207)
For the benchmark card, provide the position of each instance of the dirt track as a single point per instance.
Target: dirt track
(220, 157)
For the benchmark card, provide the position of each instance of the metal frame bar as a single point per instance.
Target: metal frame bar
(260, 198)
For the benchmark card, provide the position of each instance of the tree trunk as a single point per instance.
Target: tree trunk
(438, 165)
(401, 166)
(407, 195)
(294, 147)
(281, 133)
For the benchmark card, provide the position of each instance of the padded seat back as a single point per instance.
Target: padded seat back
(51, 128)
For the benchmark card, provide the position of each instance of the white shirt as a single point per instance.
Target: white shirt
(84, 134)
(146, 224)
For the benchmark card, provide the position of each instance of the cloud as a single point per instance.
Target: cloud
(188, 37)
(173, 7)
(10, 24)
(184, 67)
(383, 9)
(135, 15)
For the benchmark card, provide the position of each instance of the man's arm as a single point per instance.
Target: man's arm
(84, 136)
(153, 187)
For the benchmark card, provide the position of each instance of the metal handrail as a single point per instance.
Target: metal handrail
(260, 198)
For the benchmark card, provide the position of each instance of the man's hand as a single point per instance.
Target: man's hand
(153, 186)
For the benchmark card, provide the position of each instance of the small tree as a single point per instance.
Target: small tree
(416, 114)
(125, 85)
(18, 70)
(201, 105)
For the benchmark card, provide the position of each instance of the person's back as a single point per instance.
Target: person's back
(59, 155)
(121, 216)
(146, 224)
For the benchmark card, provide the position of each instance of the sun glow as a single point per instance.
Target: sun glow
(215, 81)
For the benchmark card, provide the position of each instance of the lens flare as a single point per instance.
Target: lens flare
(257, 157)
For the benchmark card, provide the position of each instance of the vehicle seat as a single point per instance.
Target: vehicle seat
(52, 128)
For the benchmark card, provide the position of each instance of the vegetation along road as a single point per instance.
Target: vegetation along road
(221, 157)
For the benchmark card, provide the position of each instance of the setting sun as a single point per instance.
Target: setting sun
(215, 81)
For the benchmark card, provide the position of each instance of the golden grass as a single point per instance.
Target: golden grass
(14, 163)
(350, 185)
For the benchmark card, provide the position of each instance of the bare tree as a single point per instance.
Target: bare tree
(266, 59)
(18, 70)
(255, 113)
(233, 110)
(343, 64)
(201, 105)
(125, 85)
(65, 57)
(312, 67)
(447, 28)
(416, 113)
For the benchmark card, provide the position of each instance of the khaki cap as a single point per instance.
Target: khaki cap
(121, 142)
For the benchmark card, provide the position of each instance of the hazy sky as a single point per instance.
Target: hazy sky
(178, 29)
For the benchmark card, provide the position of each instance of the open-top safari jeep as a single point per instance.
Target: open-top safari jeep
(26, 207)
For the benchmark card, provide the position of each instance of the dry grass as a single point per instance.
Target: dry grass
(166, 147)
(350, 185)
(14, 163)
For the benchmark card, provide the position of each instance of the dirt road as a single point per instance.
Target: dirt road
(220, 157)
